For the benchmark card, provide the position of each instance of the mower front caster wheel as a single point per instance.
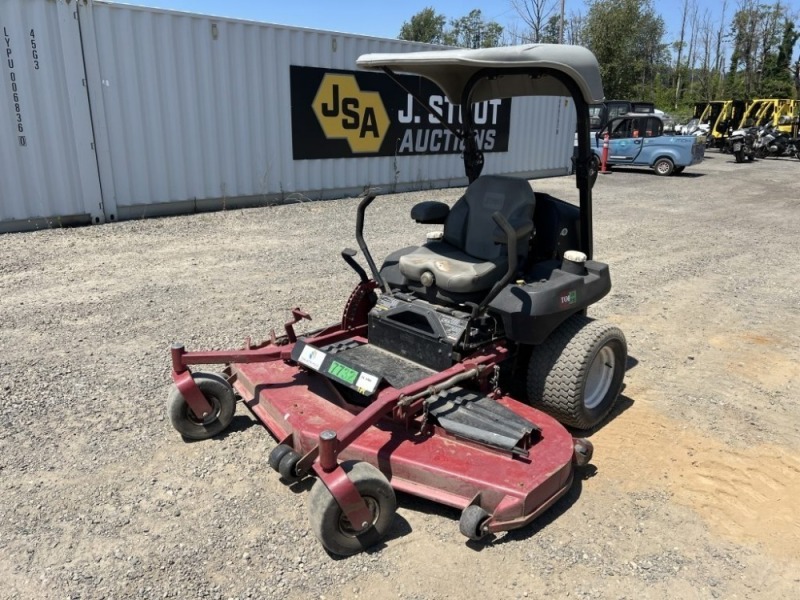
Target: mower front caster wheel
(332, 527)
(471, 522)
(287, 466)
(582, 450)
(219, 394)
(277, 454)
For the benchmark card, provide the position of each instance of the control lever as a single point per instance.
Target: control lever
(349, 256)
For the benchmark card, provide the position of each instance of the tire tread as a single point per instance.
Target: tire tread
(556, 368)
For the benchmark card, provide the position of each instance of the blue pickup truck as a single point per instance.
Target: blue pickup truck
(638, 139)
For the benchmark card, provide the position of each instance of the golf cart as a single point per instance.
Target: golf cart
(410, 391)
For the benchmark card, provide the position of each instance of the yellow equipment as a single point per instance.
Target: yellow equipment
(780, 112)
(721, 117)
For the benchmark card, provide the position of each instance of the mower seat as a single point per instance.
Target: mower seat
(468, 259)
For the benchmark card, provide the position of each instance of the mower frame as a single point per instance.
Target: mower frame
(320, 430)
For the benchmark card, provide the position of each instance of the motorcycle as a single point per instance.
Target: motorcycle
(771, 142)
(741, 143)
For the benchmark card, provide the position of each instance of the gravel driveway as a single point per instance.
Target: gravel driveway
(696, 476)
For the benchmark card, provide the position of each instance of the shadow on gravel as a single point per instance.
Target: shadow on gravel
(453, 515)
(400, 528)
(238, 424)
(300, 487)
(631, 363)
(561, 506)
(623, 403)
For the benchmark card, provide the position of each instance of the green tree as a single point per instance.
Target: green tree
(762, 39)
(425, 26)
(776, 81)
(471, 31)
(551, 30)
(626, 36)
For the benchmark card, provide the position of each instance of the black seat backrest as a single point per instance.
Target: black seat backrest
(470, 227)
(557, 226)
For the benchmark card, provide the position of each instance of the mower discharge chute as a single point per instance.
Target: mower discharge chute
(410, 390)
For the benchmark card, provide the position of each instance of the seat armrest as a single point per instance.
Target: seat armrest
(521, 229)
(430, 212)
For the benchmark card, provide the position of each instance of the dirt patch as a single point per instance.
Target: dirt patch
(744, 494)
(759, 358)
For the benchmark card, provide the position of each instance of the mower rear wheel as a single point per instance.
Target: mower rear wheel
(276, 455)
(329, 523)
(219, 394)
(576, 374)
(471, 522)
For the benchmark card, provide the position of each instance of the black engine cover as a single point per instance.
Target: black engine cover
(416, 330)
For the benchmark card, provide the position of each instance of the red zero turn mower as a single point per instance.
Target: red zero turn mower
(408, 391)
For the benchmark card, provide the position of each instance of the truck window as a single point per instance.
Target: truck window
(616, 111)
(621, 129)
(654, 128)
(596, 116)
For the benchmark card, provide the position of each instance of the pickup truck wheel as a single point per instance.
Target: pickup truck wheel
(664, 166)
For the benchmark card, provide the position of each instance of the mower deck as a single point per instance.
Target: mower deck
(405, 392)
(296, 406)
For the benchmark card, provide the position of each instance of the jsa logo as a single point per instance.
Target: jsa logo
(345, 112)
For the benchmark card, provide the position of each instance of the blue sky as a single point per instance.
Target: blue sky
(384, 19)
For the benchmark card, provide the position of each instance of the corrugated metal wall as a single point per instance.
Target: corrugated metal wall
(203, 107)
(193, 112)
(47, 163)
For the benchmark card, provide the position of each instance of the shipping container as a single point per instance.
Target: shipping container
(48, 170)
(146, 112)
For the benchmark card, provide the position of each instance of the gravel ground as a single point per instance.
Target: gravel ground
(695, 476)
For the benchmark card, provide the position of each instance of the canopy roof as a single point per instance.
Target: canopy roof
(451, 70)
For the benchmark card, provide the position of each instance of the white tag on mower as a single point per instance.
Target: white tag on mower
(367, 382)
(311, 357)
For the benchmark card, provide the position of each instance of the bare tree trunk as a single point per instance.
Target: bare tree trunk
(693, 41)
(719, 59)
(535, 14)
(680, 52)
(513, 35)
(768, 37)
(574, 28)
(750, 46)
(707, 84)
